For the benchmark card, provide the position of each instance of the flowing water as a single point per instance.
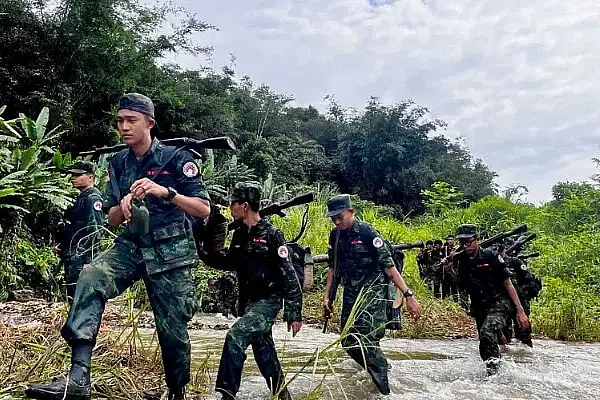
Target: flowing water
(420, 369)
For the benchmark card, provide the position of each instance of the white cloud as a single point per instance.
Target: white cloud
(517, 79)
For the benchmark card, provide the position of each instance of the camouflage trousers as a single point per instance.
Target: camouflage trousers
(171, 295)
(362, 339)
(489, 325)
(253, 328)
(72, 267)
(524, 335)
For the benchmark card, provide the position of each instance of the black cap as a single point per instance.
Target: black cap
(466, 231)
(82, 167)
(137, 102)
(246, 192)
(429, 242)
(438, 241)
(337, 204)
(449, 237)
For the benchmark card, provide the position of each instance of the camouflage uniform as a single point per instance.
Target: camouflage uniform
(361, 259)
(483, 277)
(82, 233)
(162, 258)
(266, 277)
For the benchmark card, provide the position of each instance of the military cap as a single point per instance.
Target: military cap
(82, 167)
(438, 241)
(466, 231)
(137, 102)
(246, 192)
(337, 204)
(449, 237)
(429, 242)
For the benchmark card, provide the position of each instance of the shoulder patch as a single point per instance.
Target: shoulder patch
(190, 169)
(98, 205)
(524, 267)
(378, 242)
(282, 251)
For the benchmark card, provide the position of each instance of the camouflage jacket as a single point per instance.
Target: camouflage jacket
(361, 256)
(82, 221)
(170, 241)
(261, 259)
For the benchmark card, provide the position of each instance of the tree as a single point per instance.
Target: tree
(441, 197)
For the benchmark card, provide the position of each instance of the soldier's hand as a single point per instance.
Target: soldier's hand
(413, 307)
(522, 319)
(327, 307)
(145, 187)
(295, 327)
(125, 206)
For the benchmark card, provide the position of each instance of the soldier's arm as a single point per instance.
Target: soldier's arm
(227, 259)
(192, 195)
(292, 290)
(111, 202)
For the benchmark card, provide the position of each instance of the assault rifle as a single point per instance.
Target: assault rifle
(194, 145)
(517, 246)
(277, 208)
(528, 256)
(321, 258)
(485, 243)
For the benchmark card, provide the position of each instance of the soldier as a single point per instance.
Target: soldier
(360, 258)
(527, 287)
(440, 286)
(152, 187)
(82, 225)
(484, 274)
(266, 277)
(424, 263)
(451, 274)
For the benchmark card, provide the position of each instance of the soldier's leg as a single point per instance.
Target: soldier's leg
(362, 343)
(491, 328)
(437, 287)
(106, 277)
(172, 297)
(256, 322)
(266, 358)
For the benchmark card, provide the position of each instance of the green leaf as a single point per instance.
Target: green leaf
(2, 109)
(67, 160)
(57, 160)
(4, 138)
(8, 192)
(6, 126)
(41, 123)
(29, 157)
(13, 207)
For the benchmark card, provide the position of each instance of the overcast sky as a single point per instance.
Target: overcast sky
(518, 80)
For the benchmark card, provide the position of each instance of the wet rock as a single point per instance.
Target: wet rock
(221, 327)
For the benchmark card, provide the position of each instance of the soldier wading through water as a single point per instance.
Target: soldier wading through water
(358, 255)
(484, 274)
(267, 280)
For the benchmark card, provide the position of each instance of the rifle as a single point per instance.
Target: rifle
(527, 256)
(489, 242)
(517, 246)
(277, 208)
(216, 143)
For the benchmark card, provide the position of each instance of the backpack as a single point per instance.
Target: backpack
(302, 261)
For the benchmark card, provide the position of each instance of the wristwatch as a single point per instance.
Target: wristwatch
(408, 293)
(172, 193)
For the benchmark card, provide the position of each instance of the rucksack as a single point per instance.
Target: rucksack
(301, 258)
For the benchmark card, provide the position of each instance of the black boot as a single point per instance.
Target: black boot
(176, 394)
(55, 390)
(284, 394)
(380, 382)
